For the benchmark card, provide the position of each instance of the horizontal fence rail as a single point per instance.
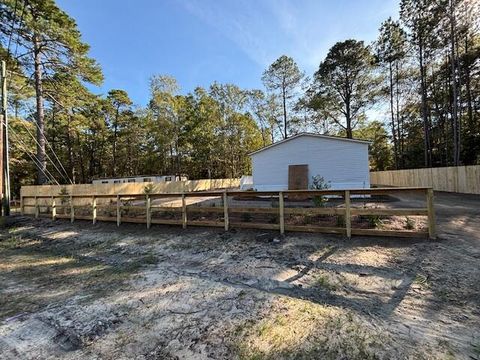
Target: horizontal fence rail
(345, 212)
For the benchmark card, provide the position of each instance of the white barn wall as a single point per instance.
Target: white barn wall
(343, 162)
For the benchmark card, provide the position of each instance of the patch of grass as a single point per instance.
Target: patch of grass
(273, 219)
(444, 344)
(150, 259)
(409, 223)
(421, 280)
(340, 222)
(11, 242)
(324, 282)
(476, 349)
(246, 217)
(298, 329)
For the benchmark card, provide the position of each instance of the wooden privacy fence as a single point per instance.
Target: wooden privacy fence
(130, 188)
(236, 209)
(461, 179)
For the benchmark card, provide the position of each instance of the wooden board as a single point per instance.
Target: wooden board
(462, 179)
(297, 177)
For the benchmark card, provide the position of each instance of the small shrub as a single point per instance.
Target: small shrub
(319, 183)
(148, 189)
(64, 200)
(340, 221)
(273, 219)
(324, 282)
(409, 223)
(127, 202)
(372, 220)
(246, 217)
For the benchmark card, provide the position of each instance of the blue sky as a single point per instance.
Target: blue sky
(201, 41)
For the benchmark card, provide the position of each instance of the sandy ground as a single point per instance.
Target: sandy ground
(101, 292)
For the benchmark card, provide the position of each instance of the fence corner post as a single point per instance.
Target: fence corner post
(149, 212)
(281, 212)
(22, 205)
(94, 209)
(184, 211)
(72, 210)
(119, 211)
(432, 234)
(225, 210)
(348, 218)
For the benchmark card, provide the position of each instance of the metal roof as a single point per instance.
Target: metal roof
(312, 135)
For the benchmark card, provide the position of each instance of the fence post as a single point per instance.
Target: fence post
(225, 209)
(431, 215)
(37, 210)
(149, 213)
(94, 209)
(281, 212)
(119, 211)
(72, 210)
(184, 211)
(54, 209)
(22, 210)
(348, 218)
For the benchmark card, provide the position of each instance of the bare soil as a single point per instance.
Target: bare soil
(83, 291)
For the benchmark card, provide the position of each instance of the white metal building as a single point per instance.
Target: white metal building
(343, 162)
(140, 179)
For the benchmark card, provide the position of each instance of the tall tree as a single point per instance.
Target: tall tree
(49, 41)
(283, 76)
(390, 50)
(419, 17)
(345, 84)
(118, 102)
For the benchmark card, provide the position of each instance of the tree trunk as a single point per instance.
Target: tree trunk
(115, 134)
(456, 137)
(348, 118)
(41, 158)
(70, 147)
(392, 112)
(468, 88)
(401, 144)
(284, 95)
(423, 90)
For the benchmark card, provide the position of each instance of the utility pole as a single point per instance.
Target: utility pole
(4, 168)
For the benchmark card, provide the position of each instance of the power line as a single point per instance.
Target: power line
(55, 154)
(24, 147)
(46, 154)
(48, 157)
(37, 163)
(18, 36)
(11, 28)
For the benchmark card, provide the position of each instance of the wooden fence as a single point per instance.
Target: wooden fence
(461, 179)
(130, 188)
(116, 205)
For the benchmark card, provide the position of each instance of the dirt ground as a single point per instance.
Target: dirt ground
(83, 291)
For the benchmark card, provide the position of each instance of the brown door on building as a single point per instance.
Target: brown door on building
(297, 177)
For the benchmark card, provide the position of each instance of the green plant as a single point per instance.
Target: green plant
(340, 221)
(273, 219)
(409, 223)
(148, 189)
(246, 217)
(373, 220)
(127, 203)
(64, 200)
(324, 282)
(319, 183)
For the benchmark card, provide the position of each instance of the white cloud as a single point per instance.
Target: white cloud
(303, 29)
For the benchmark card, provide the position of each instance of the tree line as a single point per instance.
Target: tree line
(414, 92)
